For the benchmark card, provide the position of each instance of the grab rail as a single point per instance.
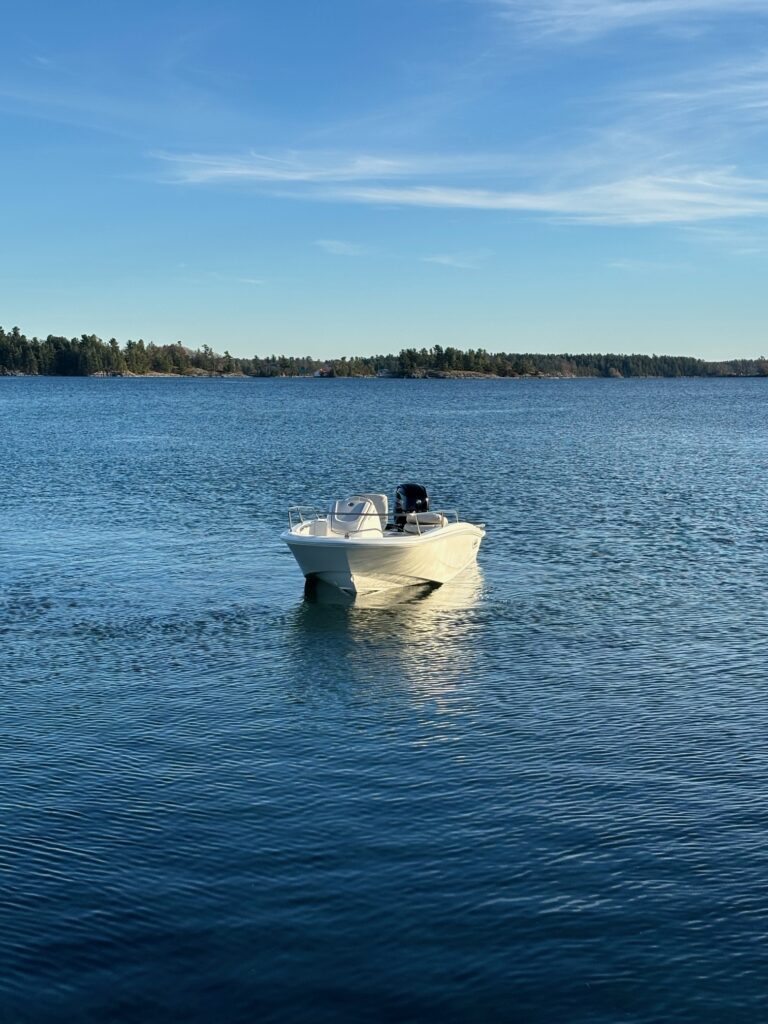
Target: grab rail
(304, 513)
(299, 514)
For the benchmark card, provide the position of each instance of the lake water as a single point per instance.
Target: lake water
(537, 794)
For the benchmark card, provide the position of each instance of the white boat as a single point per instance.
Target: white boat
(354, 546)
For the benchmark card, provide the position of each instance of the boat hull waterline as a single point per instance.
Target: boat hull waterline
(366, 564)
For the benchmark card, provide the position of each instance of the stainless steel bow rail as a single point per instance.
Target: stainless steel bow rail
(298, 514)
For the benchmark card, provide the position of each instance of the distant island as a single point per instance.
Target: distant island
(90, 356)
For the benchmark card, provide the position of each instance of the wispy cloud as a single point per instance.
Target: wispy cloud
(294, 167)
(202, 276)
(732, 94)
(669, 151)
(583, 19)
(337, 247)
(685, 197)
(587, 192)
(459, 260)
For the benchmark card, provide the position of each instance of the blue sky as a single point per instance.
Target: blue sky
(344, 176)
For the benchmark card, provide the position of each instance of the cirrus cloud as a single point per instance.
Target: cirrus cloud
(576, 20)
(598, 195)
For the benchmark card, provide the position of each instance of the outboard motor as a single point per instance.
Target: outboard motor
(409, 498)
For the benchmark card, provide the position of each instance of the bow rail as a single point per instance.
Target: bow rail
(300, 514)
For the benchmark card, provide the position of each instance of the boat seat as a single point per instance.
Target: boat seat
(354, 515)
(418, 522)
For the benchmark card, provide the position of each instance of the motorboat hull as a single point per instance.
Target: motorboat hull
(364, 565)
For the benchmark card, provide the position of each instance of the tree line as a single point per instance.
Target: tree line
(88, 355)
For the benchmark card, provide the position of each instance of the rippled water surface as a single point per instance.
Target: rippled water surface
(537, 794)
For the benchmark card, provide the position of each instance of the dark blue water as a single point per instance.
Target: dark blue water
(537, 794)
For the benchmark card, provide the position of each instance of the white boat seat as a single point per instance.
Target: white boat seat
(354, 515)
(418, 522)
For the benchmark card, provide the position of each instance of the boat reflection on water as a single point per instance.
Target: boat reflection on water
(462, 592)
(419, 635)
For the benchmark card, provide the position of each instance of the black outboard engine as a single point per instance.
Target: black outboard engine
(409, 498)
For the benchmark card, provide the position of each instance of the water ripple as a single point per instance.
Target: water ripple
(535, 794)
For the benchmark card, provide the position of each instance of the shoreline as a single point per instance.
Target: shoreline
(428, 375)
